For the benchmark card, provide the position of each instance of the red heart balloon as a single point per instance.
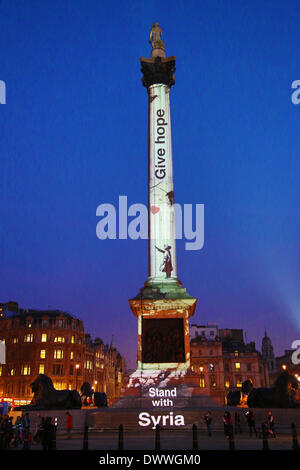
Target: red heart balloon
(155, 209)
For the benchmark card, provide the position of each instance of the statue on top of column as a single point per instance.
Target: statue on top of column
(155, 35)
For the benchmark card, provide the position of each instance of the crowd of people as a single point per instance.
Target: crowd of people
(235, 427)
(21, 434)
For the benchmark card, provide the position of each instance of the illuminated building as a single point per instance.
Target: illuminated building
(224, 362)
(54, 343)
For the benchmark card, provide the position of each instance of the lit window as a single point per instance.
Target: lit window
(237, 365)
(58, 354)
(12, 371)
(43, 354)
(15, 340)
(71, 355)
(3, 340)
(42, 369)
(0, 371)
(44, 338)
(227, 383)
(59, 339)
(72, 339)
(202, 383)
(28, 338)
(25, 370)
(239, 382)
(236, 353)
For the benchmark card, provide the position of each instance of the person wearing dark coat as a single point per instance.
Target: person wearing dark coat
(48, 434)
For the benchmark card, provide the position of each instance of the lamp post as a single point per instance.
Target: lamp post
(201, 377)
(77, 367)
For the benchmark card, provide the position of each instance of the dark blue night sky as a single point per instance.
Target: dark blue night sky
(74, 135)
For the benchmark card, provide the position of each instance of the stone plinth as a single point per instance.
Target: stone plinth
(163, 332)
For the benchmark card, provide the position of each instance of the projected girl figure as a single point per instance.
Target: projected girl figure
(166, 266)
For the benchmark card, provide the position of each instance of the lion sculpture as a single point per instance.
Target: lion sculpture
(46, 397)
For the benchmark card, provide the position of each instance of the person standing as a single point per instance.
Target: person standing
(271, 424)
(69, 424)
(208, 420)
(227, 421)
(251, 422)
(47, 434)
(237, 423)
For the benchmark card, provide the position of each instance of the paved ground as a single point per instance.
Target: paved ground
(170, 440)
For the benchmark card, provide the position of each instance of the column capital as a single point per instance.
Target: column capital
(158, 70)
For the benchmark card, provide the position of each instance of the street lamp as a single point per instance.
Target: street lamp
(283, 366)
(201, 377)
(77, 367)
(95, 384)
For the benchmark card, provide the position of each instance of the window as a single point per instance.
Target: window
(25, 370)
(236, 353)
(237, 365)
(239, 382)
(59, 385)
(202, 382)
(12, 371)
(45, 324)
(15, 340)
(58, 354)
(88, 364)
(0, 371)
(28, 338)
(42, 354)
(44, 338)
(72, 339)
(3, 340)
(42, 369)
(71, 370)
(71, 355)
(227, 383)
(59, 339)
(249, 366)
(60, 323)
(226, 366)
(58, 369)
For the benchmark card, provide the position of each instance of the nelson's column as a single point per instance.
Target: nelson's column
(162, 307)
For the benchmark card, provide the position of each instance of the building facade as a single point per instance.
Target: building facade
(224, 362)
(54, 343)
